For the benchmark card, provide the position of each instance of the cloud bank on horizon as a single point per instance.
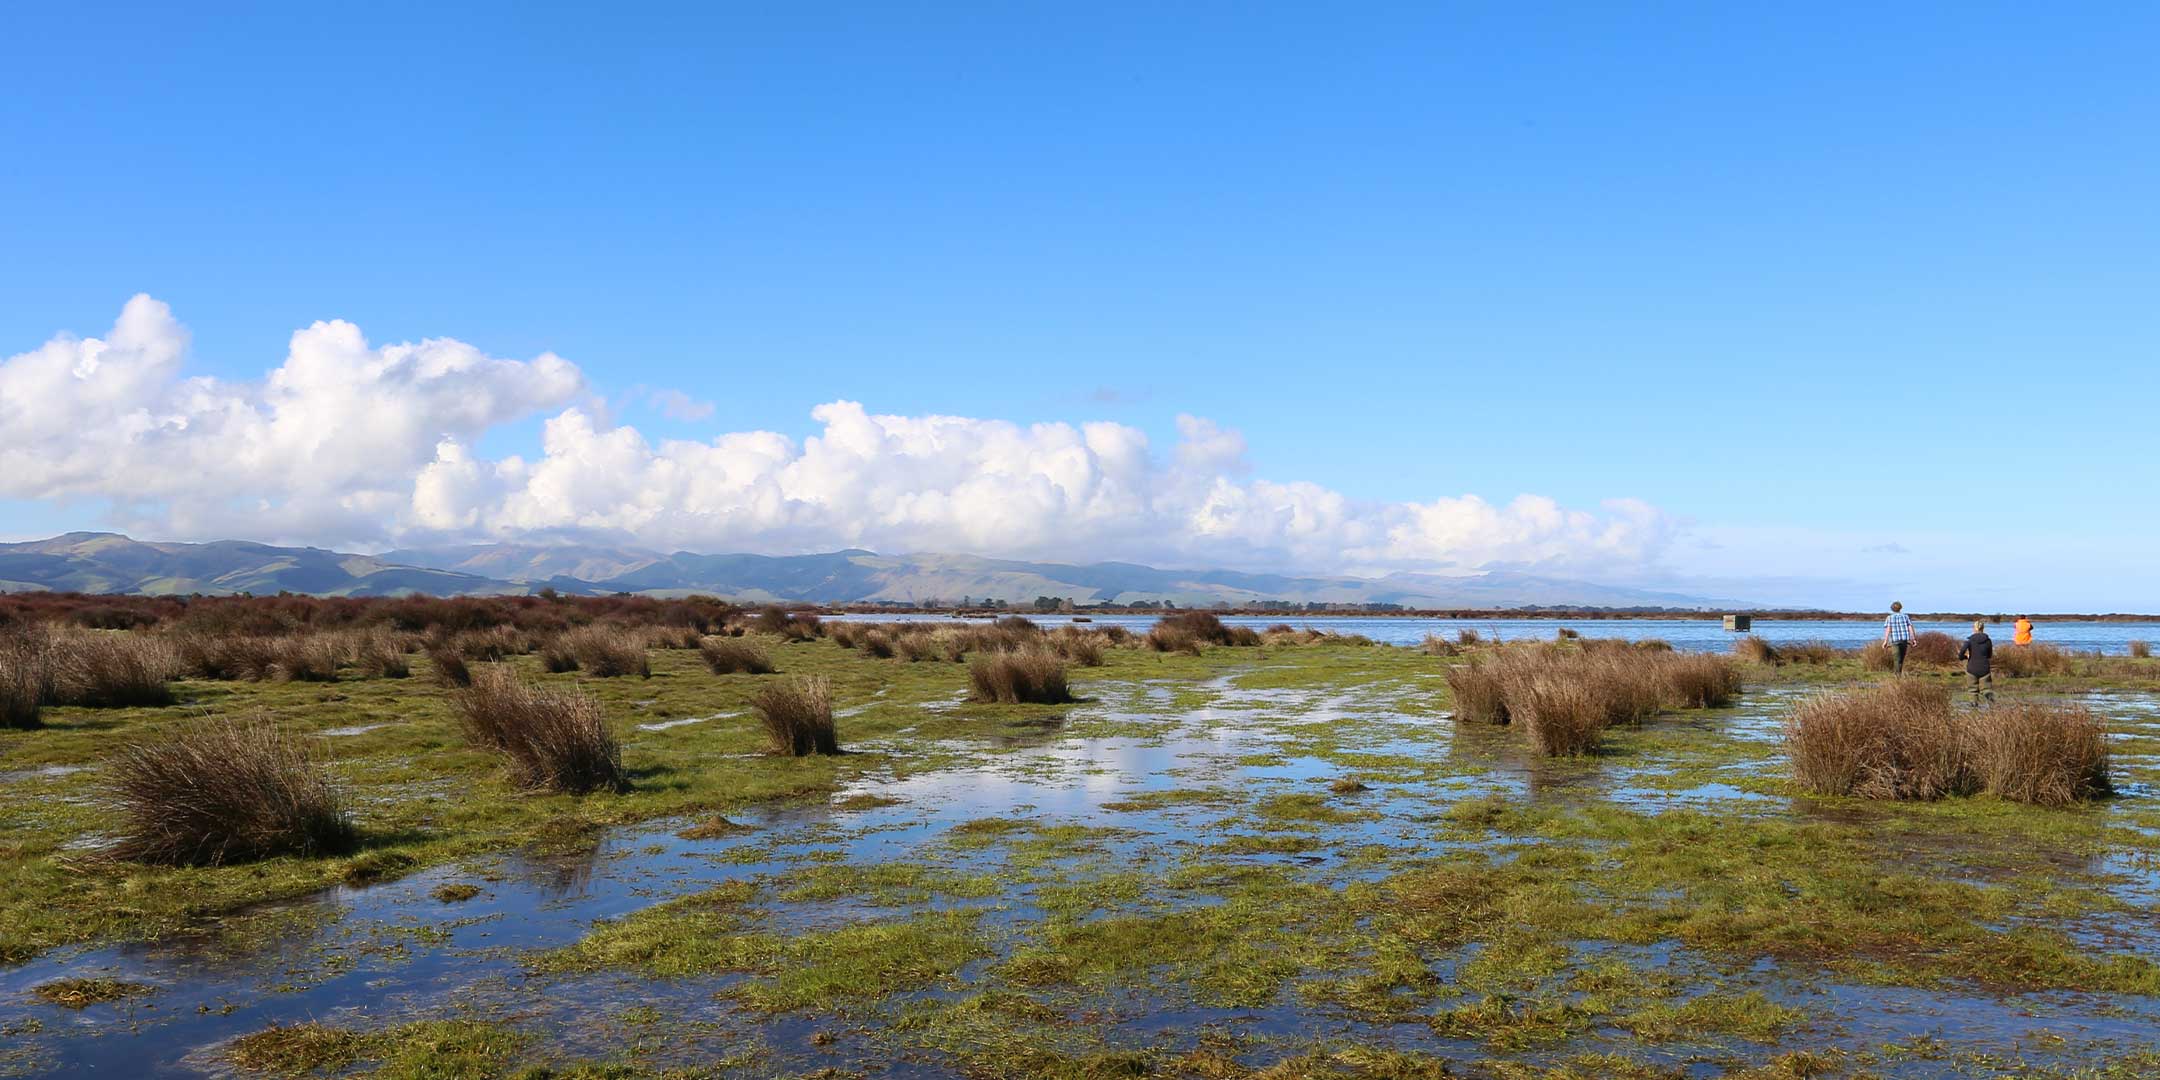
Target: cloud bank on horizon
(346, 443)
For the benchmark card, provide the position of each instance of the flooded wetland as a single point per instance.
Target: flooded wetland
(1282, 860)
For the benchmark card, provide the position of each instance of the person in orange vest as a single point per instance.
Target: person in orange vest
(2024, 631)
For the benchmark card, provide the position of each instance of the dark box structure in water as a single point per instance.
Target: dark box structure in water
(1740, 624)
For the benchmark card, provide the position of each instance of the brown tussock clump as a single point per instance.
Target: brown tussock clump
(1017, 677)
(221, 791)
(2047, 755)
(450, 669)
(1081, 647)
(110, 669)
(554, 739)
(2026, 661)
(1899, 740)
(1932, 647)
(25, 674)
(734, 656)
(798, 718)
(607, 652)
(1754, 649)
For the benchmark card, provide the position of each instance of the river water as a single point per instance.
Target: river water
(1692, 635)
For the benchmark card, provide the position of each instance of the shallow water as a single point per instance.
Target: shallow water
(376, 955)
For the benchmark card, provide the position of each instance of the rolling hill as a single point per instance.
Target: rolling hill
(111, 563)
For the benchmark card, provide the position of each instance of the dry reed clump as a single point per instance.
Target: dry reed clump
(1565, 634)
(1754, 649)
(788, 626)
(1812, 653)
(2139, 649)
(1036, 677)
(306, 658)
(1577, 692)
(1899, 740)
(2047, 755)
(1905, 740)
(553, 739)
(491, 644)
(555, 656)
(450, 669)
(220, 791)
(379, 653)
(2026, 661)
(1480, 691)
(1187, 631)
(1876, 656)
(607, 652)
(25, 674)
(919, 646)
(1081, 647)
(207, 655)
(1697, 681)
(1932, 647)
(1467, 636)
(877, 643)
(110, 669)
(1563, 716)
(798, 717)
(733, 656)
(1165, 638)
(1435, 645)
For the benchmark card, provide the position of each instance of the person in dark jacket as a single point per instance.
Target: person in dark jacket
(1978, 652)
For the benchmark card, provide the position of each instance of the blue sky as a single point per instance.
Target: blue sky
(1857, 298)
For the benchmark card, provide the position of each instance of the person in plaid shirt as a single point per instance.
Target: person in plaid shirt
(1897, 633)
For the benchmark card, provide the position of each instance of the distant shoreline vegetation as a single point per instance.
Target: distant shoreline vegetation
(120, 611)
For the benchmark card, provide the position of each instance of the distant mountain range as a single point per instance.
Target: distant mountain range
(111, 563)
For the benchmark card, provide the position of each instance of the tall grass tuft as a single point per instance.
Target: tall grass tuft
(1034, 677)
(306, 658)
(380, 654)
(607, 652)
(2047, 755)
(2026, 661)
(1876, 656)
(1754, 649)
(731, 656)
(1078, 646)
(25, 674)
(1435, 645)
(556, 657)
(220, 791)
(1932, 647)
(111, 669)
(1480, 691)
(798, 718)
(450, 669)
(1697, 681)
(1812, 653)
(553, 739)
(1897, 740)
(1564, 717)
(1467, 636)
(2139, 649)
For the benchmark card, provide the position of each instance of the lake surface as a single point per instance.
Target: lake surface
(1692, 635)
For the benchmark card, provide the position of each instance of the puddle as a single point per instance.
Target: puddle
(663, 725)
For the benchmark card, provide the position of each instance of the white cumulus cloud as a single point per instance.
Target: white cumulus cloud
(349, 443)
